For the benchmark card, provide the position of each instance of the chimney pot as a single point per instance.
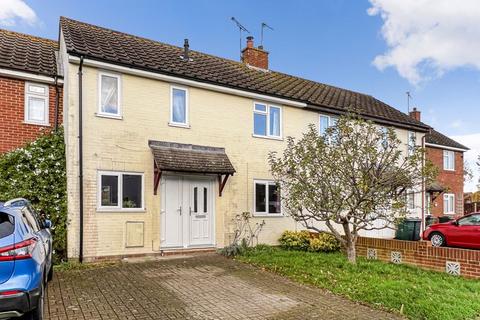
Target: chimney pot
(186, 50)
(256, 57)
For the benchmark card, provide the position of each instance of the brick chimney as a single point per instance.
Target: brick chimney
(256, 57)
(415, 114)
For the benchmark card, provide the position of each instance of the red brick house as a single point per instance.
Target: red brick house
(30, 90)
(445, 196)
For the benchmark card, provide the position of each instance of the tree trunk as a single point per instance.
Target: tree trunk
(351, 252)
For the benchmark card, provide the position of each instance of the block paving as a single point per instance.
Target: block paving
(206, 286)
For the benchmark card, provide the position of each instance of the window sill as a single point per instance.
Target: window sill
(119, 210)
(267, 137)
(179, 125)
(449, 170)
(41, 124)
(110, 116)
(266, 215)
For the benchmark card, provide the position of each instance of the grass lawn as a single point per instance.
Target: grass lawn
(423, 294)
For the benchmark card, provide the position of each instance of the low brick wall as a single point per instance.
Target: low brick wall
(454, 261)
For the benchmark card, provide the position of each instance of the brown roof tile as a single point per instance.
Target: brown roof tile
(27, 53)
(120, 48)
(435, 137)
(171, 156)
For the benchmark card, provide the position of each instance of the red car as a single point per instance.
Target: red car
(463, 232)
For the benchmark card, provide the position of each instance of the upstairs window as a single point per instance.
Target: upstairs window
(448, 160)
(36, 103)
(120, 191)
(325, 123)
(267, 121)
(412, 143)
(179, 106)
(109, 99)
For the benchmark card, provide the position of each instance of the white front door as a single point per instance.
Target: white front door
(187, 211)
(200, 211)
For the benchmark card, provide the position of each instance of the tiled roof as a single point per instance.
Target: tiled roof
(171, 156)
(435, 137)
(123, 49)
(27, 53)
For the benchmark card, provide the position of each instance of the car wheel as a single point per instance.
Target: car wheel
(37, 313)
(438, 239)
(50, 274)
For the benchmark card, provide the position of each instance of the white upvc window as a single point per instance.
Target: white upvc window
(411, 200)
(36, 103)
(120, 191)
(109, 95)
(448, 203)
(267, 120)
(326, 122)
(266, 198)
(411, 143)
(178, 106)
(448, 160)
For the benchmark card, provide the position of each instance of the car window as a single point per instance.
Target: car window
(7, 225)
(29, 219)
(470, 221)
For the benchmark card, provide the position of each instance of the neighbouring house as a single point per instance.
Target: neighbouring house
(166, 145)
(30, 91)
(471, 202)
(444, 197)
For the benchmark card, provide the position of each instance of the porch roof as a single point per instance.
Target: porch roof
(180, 157)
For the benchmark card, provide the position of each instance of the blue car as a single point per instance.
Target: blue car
(25, 260)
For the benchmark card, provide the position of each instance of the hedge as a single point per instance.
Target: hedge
(37, 172)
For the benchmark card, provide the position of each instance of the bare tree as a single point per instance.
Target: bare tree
(353, 175)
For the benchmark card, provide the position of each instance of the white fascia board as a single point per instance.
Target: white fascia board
(186, 82)
(28, 76)
(444, 147)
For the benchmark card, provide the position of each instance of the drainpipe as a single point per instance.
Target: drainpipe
(422, 226)
(80, 153)
(57, 101)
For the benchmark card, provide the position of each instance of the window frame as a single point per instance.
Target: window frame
(100, 113)
(448, 197)
(411, 206)
(119, 175)
(28, 95)
(187, 108)
(330, 122)
(445, 152)
(268, 106)
(411, 148)
(267, 183)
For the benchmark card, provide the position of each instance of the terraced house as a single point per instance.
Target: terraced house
(30, 90)
(166, 145)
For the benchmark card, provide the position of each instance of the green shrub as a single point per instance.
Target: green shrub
(295, 240)
(37, 172)
(325, 242)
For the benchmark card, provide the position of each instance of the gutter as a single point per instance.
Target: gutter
(80, 154)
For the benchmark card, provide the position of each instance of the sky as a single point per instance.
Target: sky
(384, 48)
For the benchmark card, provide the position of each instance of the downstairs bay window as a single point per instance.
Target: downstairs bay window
(120, 191)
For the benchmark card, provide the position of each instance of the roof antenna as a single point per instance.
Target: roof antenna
(240, 29)
(409, 96)
(264, 25)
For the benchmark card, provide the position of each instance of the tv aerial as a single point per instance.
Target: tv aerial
(264, 25)
(240, 29)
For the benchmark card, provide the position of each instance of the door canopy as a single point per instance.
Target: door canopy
(190, 158)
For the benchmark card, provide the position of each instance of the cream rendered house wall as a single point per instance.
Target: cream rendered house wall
(216, 119)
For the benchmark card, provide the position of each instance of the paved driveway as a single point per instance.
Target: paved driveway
(200, 287)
